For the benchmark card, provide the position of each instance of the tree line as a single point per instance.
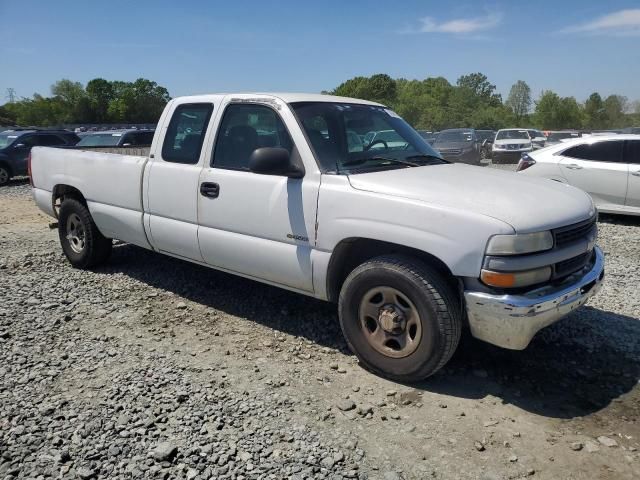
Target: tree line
(100, 101)
(431, 104)
(435, 104)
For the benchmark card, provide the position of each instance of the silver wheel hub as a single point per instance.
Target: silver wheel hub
(390, 322)
(75, 233)
(4, 175)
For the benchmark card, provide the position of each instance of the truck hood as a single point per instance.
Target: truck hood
(526, 203)
(512, 141)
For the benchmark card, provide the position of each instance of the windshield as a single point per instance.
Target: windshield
(485, 134)
(7, 139)
(352, 138)
(100, 140)
(535, 134)
(455, 136)
(512, 135)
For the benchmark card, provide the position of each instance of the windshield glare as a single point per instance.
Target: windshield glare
(454, 136)
(7, 139)
(352, 138)
(512, 135)
(100, 140)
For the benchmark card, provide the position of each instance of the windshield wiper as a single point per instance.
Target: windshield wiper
(432, 159)
(360, 161)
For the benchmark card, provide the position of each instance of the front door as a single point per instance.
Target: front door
(261, 226)
(172, 182)
(598, 169)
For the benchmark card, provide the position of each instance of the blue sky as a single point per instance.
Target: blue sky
(573, 47)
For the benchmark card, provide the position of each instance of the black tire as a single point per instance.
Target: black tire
(5, 174)
(435, 301)
(95, 249)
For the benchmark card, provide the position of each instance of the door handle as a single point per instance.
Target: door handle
(636, 173)
(573, 166)
(209, 189)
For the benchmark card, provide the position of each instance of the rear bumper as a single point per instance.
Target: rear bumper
(511, 321)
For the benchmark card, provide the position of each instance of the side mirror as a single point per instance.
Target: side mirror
(274, 161)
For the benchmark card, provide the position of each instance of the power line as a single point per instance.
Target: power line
(11, 95)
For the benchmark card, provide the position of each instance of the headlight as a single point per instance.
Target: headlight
(520, 243)
(499, 147)
(515, 279)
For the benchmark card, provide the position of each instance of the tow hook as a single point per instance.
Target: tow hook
(53, 225)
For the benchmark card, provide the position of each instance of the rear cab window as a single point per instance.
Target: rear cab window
(185, 133)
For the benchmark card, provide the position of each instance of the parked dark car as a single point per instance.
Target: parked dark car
(485, 137)
(15, 146)
(557, 137)
(430, 137)
(117, 138)
(459, 145)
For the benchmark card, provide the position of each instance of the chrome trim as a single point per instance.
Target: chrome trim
(511, 321)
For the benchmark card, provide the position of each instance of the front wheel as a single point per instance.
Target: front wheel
(83, 244)
(5, 175)
(400, 317)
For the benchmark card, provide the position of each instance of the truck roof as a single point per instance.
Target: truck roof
(285, 97)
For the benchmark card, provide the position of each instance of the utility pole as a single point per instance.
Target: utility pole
(11, 95)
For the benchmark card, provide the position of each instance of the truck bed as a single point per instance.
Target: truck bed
(110, 182)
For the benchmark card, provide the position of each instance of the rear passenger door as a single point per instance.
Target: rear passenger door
(632, 159)
(261, 226)
(598, 169)
(172, 181)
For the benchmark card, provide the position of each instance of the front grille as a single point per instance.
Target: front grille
(567, 267)
(450, 151)
(566, 235)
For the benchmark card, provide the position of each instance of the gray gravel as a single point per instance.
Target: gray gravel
(154, 368)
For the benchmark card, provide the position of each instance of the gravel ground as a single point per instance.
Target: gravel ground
(155, 368)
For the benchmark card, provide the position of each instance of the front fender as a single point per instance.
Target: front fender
(457, 238)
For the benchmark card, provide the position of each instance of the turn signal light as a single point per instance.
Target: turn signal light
(515, 279)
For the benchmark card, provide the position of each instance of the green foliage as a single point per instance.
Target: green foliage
(554, 112)
(436, 104)
(101, 101)
(519, 100)
(433, 103)
(6, 116)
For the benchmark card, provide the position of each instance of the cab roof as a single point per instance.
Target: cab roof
(286, 97)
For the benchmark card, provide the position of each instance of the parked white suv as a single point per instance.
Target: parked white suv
(412, 248)
(606, 167)
(510, 144)
(538, 140)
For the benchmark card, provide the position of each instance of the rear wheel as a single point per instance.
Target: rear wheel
(83, 244)
(400, 317)
(5, 175)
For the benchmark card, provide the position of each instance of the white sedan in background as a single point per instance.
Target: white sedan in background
(606, 167)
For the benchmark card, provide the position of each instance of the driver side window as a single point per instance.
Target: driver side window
(245, 128)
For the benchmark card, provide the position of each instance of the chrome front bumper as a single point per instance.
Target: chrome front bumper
(511, 321)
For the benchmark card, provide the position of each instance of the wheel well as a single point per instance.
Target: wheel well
(7, 166)
(351, 252)
(60, 192)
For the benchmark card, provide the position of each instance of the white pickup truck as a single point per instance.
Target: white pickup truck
(277, 188)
